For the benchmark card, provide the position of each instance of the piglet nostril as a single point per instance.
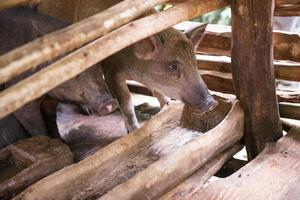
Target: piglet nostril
(108, 107)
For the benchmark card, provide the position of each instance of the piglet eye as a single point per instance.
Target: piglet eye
(173, 66)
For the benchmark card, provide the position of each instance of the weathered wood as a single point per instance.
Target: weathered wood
(282, 7)
(4, 4)
(80, 60)
(217, 41)
(283, 70)
(197, 180)
(33, 159)
(288, 110)
(253, 74)
(158, 139)
(274, 174)
(286, 46)
(172, 169)
(70, 38)
(288, 96)
(287, 8)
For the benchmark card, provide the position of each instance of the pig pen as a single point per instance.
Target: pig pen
(176, 152)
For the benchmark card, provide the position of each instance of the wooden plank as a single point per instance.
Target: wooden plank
(68, 67)
(273, 174)
(160, 140)
(253, 74)
(196, 181)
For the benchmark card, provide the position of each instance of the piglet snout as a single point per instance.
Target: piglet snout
(108, 107)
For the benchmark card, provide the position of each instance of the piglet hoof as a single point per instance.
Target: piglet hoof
(85, 109)
(130, 129)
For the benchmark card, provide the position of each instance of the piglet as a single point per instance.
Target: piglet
(88, 90)
(166, 64)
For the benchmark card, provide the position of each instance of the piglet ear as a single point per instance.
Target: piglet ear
(196, 34)
(149, 48)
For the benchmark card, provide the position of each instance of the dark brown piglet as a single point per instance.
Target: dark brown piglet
(88, 90)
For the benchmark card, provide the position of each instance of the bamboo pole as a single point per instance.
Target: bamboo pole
(38, 84)
(4, 4)
(60, 42)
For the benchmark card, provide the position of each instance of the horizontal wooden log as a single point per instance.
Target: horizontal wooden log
(283, 70)
(156, 140)
(286, 45)
(38, 84)
(197, 180)
(4, 4)
(111, 165)
(291, 111)
(35, 158)
(288, 96)
(172, 169)
(287, 7)
(282, 8)
(61, 42)
(217, 41)
(274, 174)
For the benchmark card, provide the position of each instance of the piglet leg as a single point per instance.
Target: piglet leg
(119, 88)
(163, 100)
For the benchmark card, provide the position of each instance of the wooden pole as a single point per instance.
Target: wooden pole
(60, 42)
(282, 7)
(4, 4)
(170, 170)
(288, 110)
(38, 84)
(195, 182)
(161, 141)
(253, 72)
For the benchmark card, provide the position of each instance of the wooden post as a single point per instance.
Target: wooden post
(253, 72)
